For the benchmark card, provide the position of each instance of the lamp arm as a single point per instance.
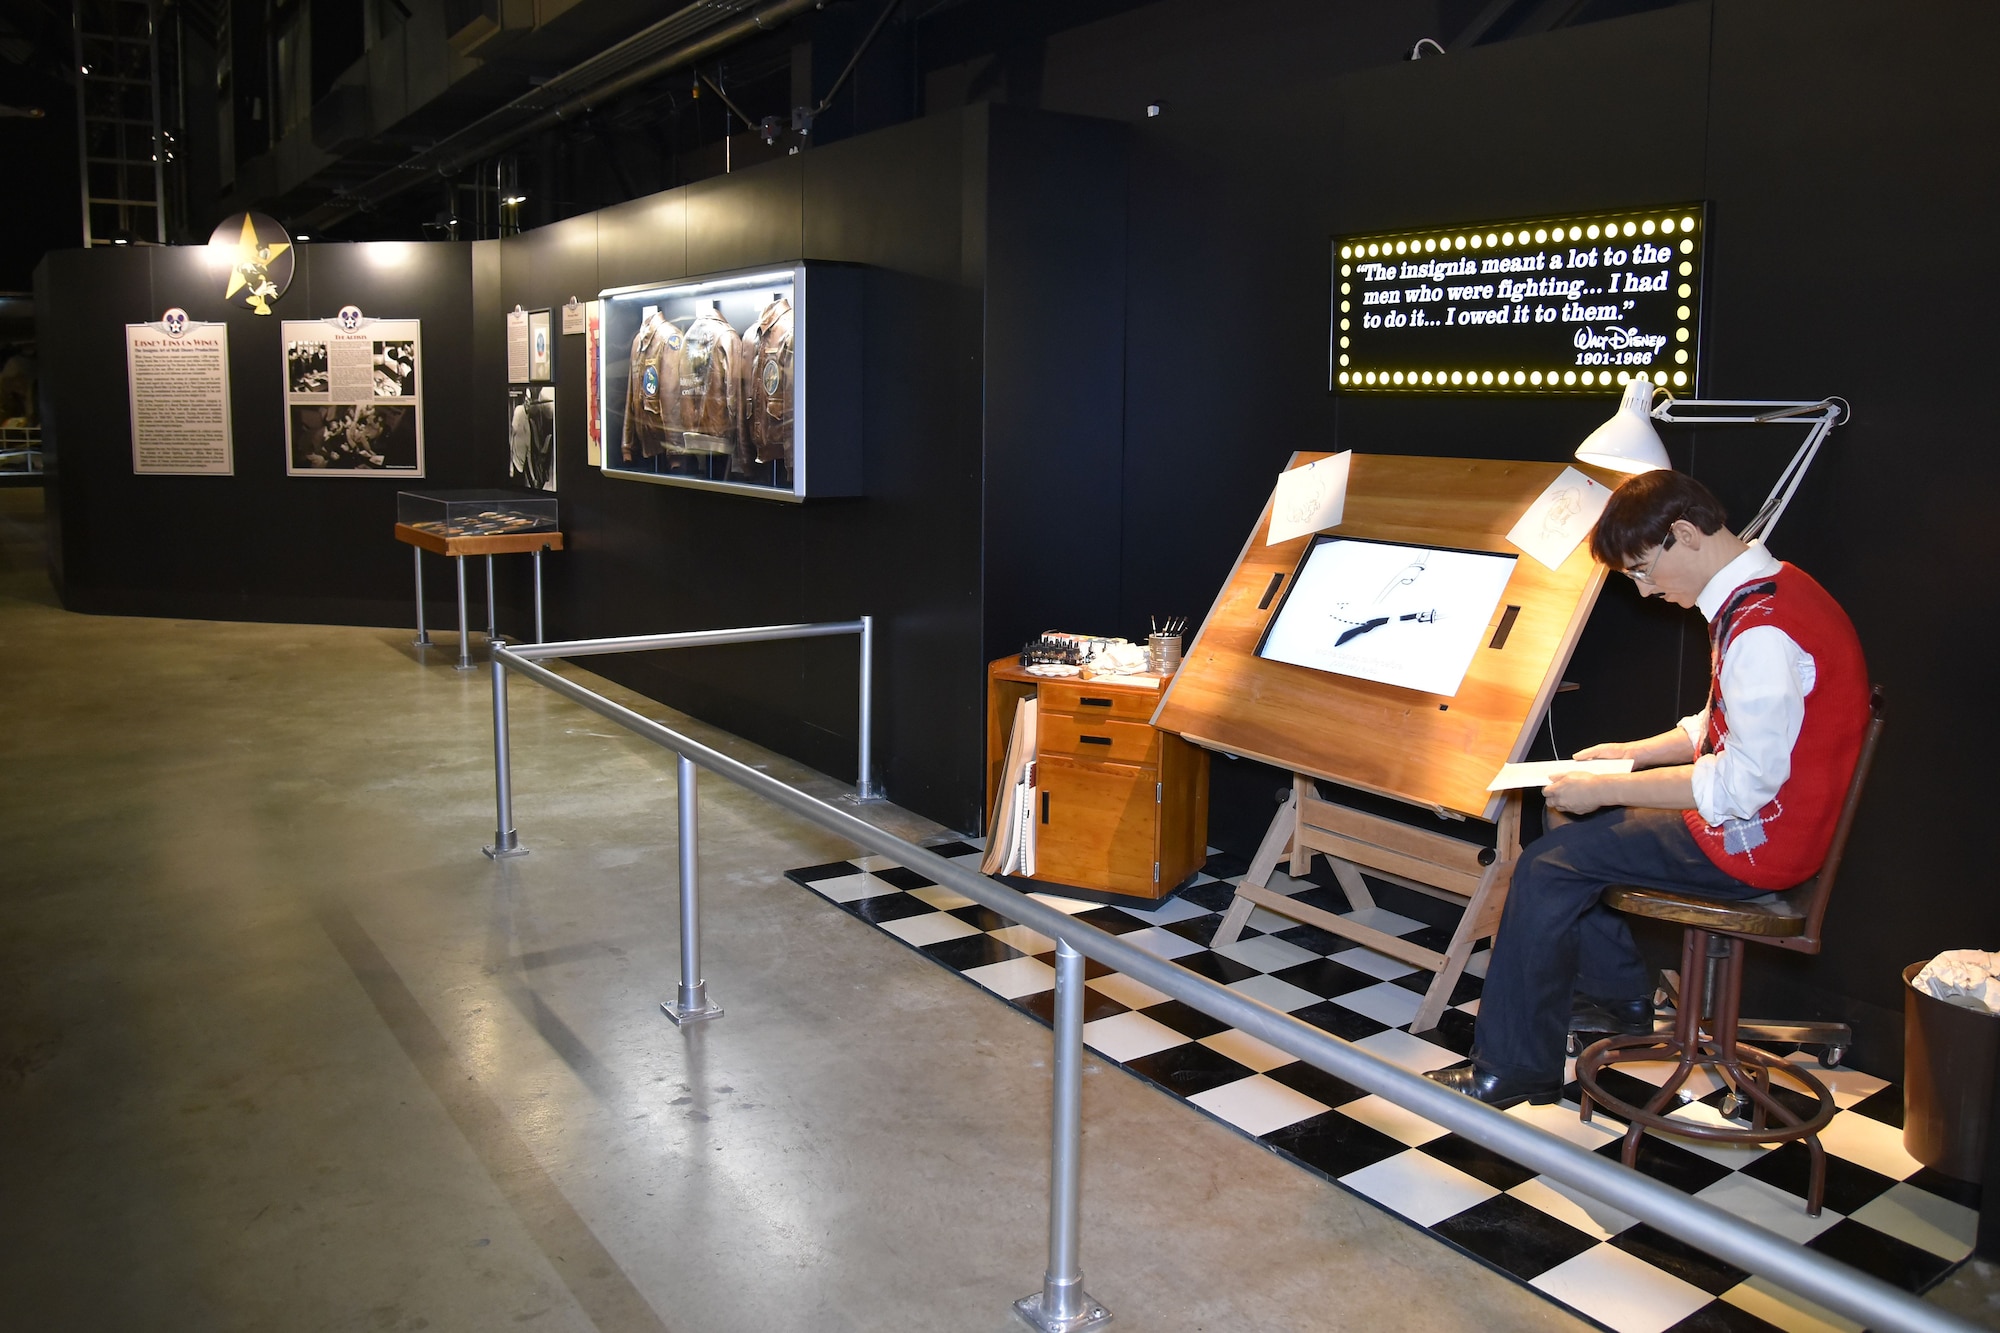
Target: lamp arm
(1788, 481)
(1824, 414)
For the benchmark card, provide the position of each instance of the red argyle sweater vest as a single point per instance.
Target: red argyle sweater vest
(1785, 842)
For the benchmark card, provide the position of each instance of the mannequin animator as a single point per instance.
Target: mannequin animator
(1737, 801)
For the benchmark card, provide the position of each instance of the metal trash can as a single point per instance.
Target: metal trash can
(1949, 1053)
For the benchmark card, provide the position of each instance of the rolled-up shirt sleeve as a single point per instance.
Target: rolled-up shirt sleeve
(1766, 677)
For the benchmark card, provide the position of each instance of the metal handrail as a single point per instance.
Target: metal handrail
(1062, 1303)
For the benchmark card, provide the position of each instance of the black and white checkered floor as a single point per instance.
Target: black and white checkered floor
(1884, 1212)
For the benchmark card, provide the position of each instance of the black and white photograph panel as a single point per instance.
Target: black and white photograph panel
(396, 369)
(531, 436)
(353, 438)
(305, 367)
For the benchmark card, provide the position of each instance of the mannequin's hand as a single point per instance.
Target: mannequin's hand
(1610, 750)
(1576, 793)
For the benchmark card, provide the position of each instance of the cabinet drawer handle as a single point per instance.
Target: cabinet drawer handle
(1045, 807)
(1089, 702)
(1095, 740)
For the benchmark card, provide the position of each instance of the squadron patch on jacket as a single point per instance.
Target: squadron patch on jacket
(652, 380)
(774, 375)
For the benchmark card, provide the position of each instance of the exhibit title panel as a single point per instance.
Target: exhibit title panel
(1557, 305)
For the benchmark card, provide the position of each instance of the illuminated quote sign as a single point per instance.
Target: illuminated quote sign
(1550, 305)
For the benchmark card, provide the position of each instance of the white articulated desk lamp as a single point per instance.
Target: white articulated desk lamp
(1628, 442)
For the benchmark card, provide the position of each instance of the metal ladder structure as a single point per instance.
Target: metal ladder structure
(119, 143)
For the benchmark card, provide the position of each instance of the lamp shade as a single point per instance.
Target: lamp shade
(1627, 442)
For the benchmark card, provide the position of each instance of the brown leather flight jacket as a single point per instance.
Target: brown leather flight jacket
(767, 388)
(711, 390)
(652, 398)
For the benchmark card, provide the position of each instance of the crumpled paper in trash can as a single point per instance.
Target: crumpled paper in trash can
(1968, 978)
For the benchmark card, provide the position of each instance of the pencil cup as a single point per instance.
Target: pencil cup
(1163, 653)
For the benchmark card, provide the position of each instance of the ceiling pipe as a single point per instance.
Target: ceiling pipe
(460, 149)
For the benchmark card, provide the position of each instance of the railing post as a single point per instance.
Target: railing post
(423, 635)
(691, 1004)
(865, 786)
(1062, 1305)
(464, 646)
(538, 594)
(505, 841)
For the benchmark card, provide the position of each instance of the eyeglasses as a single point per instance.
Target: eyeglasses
(1645, 575)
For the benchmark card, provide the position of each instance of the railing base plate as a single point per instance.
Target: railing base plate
(1093, 1315)
(682, 1016)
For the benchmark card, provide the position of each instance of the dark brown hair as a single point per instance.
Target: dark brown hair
(1644, 507)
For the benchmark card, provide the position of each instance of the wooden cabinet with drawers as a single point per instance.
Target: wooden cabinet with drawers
(1122, 808)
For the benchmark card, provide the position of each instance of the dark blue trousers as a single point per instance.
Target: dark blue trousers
(1556, 939)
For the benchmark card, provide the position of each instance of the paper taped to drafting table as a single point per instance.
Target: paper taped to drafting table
(1538, 773)
(1560, 517)
(1312, 498)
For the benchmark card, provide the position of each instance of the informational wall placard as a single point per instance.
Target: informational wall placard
(531, 436)
(541, 348)
(353, 396)
(177, 385)
(1558, 305)
(517, 346)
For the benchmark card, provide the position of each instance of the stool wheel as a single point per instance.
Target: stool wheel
(1831, 1056)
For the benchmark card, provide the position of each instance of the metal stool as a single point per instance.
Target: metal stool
(1707, 1018)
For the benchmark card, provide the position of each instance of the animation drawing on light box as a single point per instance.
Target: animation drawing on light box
(1401, 615)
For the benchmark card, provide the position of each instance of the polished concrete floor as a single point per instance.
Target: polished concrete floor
(279, 1049)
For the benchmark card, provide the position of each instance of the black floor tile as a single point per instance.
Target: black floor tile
(970, 951)
(1670, 1164)
(983, 918)
(1216, 967)
(1110, 920)
(1453, 1031)
(1849, 1185)
(1327, 1089)
(887, 907)
(1312, 938)
(1188, 1069)
(1722, 1317)
(1432, 937)
(1885, 1105)
(1515, 1236)
(1896, 1262)
(1479, 1163)
(1326, 978)
(1326, 899)
(903, 879)
(1340, 1020)
(1678, 1257)
(1185, 1019)
(1215, 896)
(1465, 989)
(1635, 1091)
(831, 870)
(1201, 929)
(1334, 1144)
(1096, 1005)
(1798, 1103)
(1964, 1192)
(1224, 864)
(952, 848)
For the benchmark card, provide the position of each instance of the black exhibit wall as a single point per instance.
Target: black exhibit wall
(258, 545)
(1830, 139)
(973, 230)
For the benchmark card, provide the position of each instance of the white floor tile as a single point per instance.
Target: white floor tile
(1419, 1187)
(929, 928)
(970, 860)
(1069, 906)
(1877, 1146)
(1257, 1105)
(1768, 1206)
(852, 888)
(1264, 919)
(1384, 920)
(1733, 1156)
(1399, 1124)
(1563, 1122)
(1128, 992)
(1476, 965)
(1412, 1053)
(1160, 942)
(1015, 977)
(1278, 994)
(1128, 1036)
(938, 896)
(1374, 964)
(1795, 1314)
(1699, 1083)
(1944, 1228)
(1567, 1204)
(1471, 1006)
(875, 862)
(1626, 1293)
(1248, 1051)
(1847, 1085)
(1385, 1002)
(1020, 937)
(1168, 912)
(1267, 954)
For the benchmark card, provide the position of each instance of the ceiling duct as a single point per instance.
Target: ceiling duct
(689, 34)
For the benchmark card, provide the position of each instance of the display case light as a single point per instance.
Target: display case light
(1628, 442)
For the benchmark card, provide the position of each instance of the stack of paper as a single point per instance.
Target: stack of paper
(1010, 833)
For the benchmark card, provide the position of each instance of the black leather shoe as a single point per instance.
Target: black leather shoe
(1613, 1016)
(1497, 1092)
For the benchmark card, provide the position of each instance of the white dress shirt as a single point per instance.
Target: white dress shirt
(1766, 677)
